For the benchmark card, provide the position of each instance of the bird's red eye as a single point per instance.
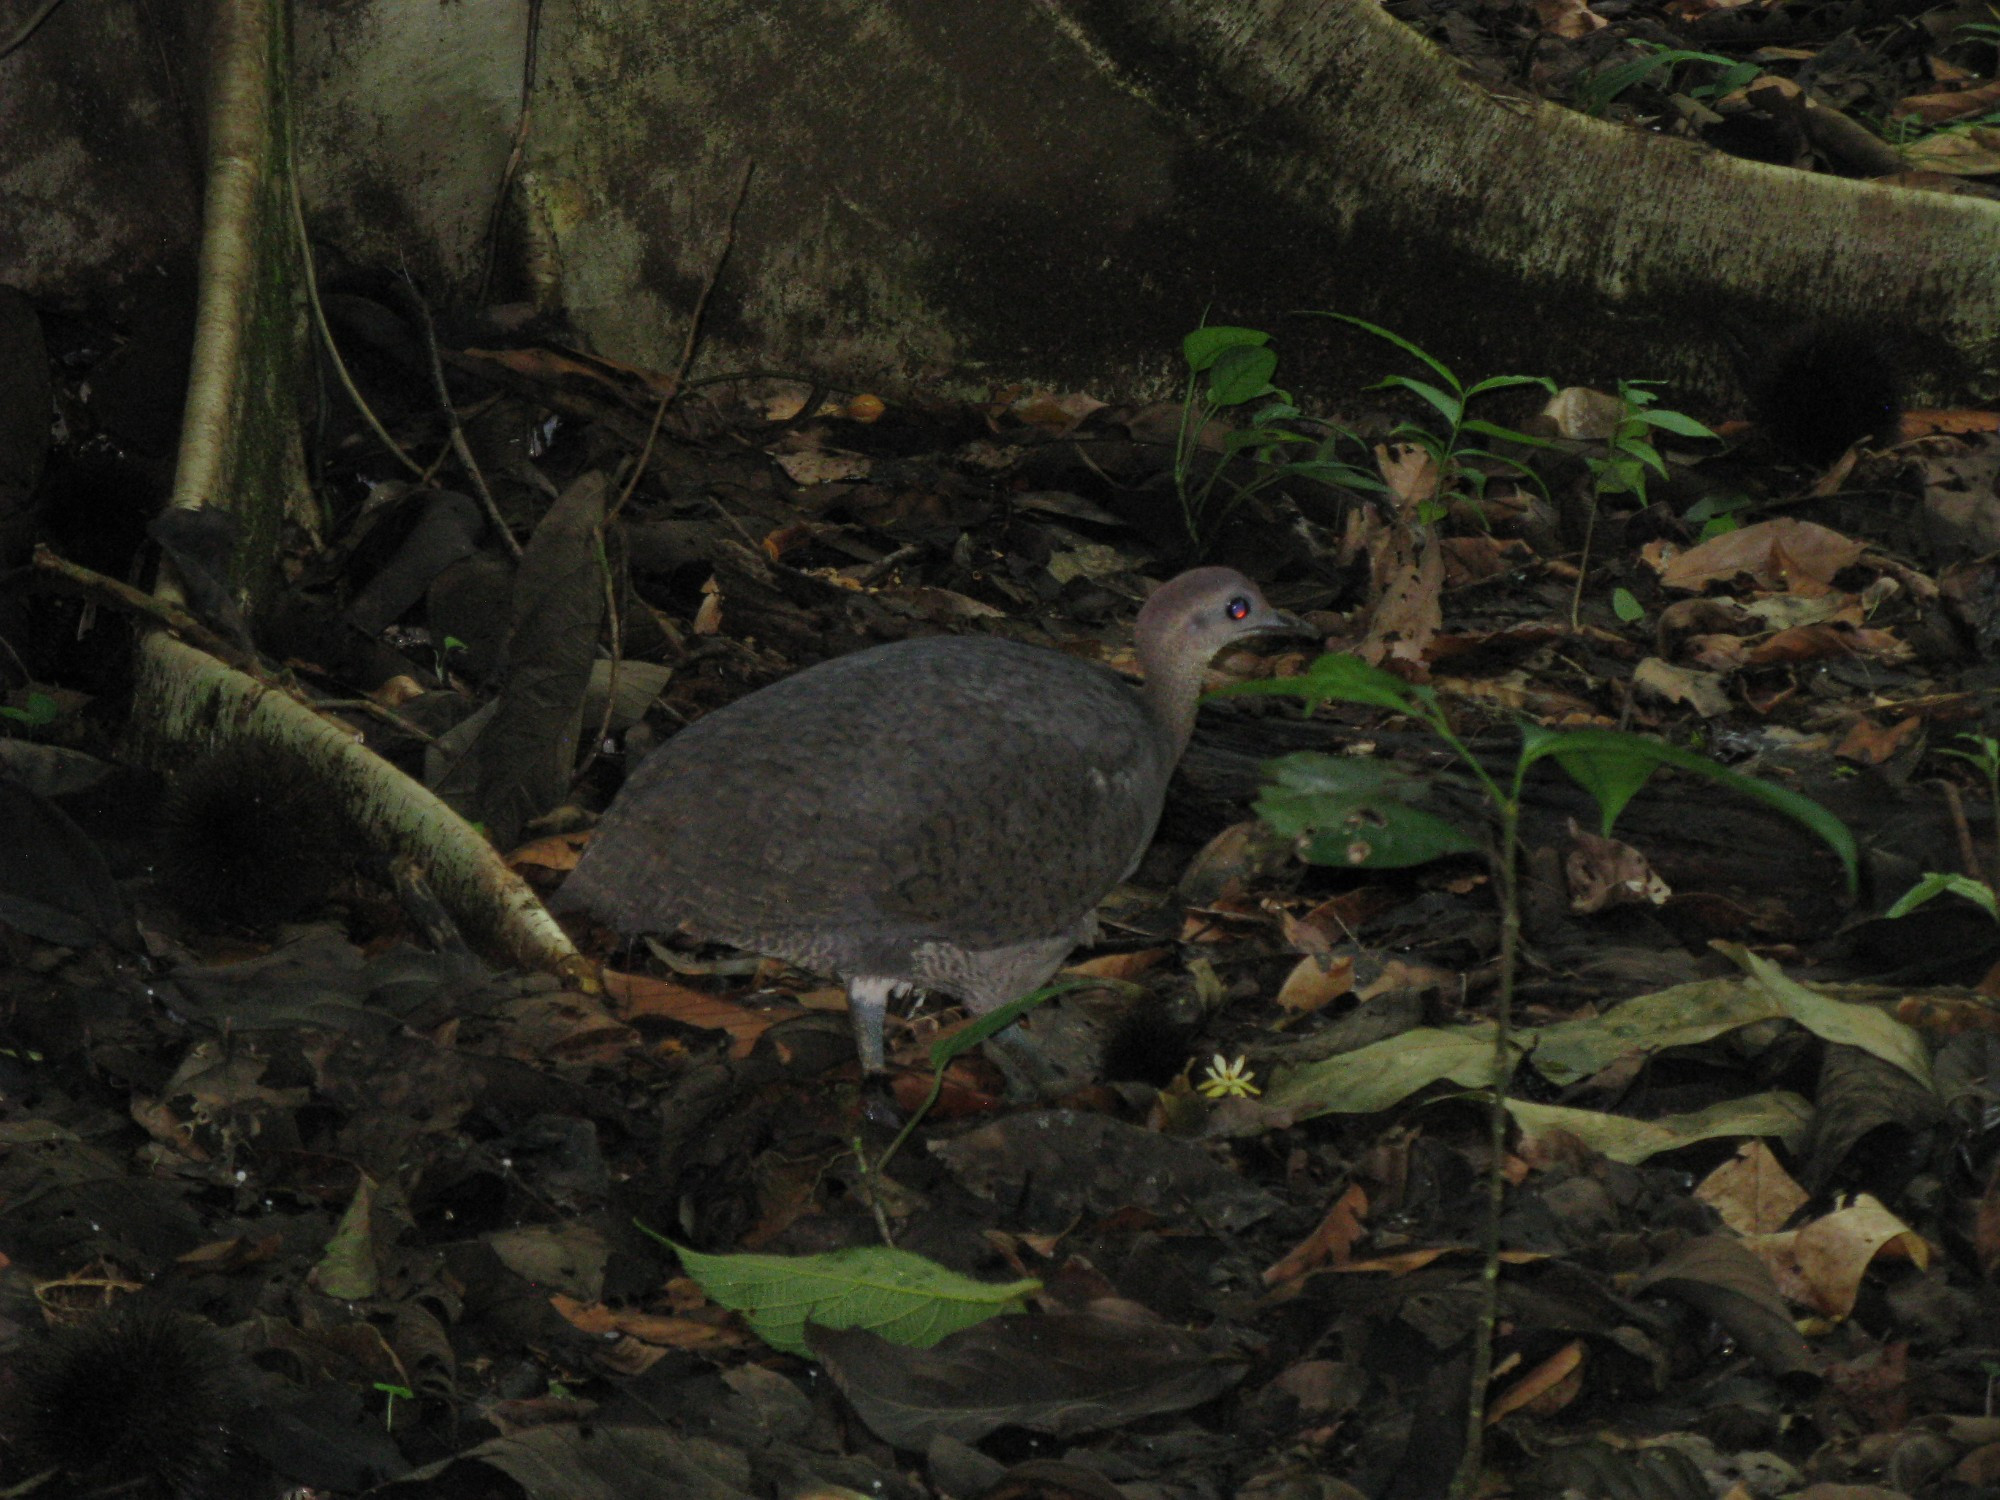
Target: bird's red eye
(1238, 607)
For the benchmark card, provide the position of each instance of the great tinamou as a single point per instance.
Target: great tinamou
(944, 812)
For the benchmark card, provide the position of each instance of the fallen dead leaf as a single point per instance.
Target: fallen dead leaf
(635, 995)
(1781, 553)
(1752, 1192)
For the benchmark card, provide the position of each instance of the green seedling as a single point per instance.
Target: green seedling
(1357, 812)
(1597, 91)
(392, 1392)
(1628, 458)
(1229, 369)
(1715, 514)
(38, 714)
(1453, 451)
(1984, 757)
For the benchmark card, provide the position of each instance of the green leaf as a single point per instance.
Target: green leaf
(1397, 339)
(1678, 423)
(1241, 373)
(1205, 345)
(1623, 1139)
(1337, 677)
(962, 1041)
(347, 1270)
(901, 1297)
(1687, 1015)
(1506, 434)
(1374, 1077)
(1507, 382)
(1626, 606)
(1354, 813)
(1978, 892)
(1449, 407)
(1612, 765)
(41, 710)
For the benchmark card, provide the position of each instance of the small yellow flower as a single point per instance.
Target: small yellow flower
(1228, 1080)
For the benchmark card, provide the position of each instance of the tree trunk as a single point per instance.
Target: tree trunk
(948, 196)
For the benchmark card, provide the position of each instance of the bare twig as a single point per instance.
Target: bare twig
(320, 324)
(714, 275)
(29, 27)
(87, 583)
(529, 56)
(458, 443)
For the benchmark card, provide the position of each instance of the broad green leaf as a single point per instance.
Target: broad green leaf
(1397, 339)
(902, 1297)
(1612, 765)
(1678, 423)
(1449, 406)
(1934, 884)
(1623, 1139)
(1356, 813)
(1205, 345)
(1505, 434)
(1626, 606)
(1336, 677)
(1241, 373)
(1507, 382)
(1374, 1077)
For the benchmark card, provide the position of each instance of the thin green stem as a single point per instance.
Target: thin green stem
(1507, 877)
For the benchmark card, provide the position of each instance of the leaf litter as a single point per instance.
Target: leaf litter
(421, 1197)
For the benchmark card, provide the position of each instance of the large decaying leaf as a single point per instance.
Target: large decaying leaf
(1623, 1139)
(1375, 1077)
(1061, 1374)
(1688, 1014)
(899, 1296)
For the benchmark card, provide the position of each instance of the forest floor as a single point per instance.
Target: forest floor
(299, 1195)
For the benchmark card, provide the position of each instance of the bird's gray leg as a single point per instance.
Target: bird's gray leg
(867, 1005)
(1030, 1076)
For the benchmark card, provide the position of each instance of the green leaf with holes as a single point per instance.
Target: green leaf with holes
(1357, 813)
(902, 1297)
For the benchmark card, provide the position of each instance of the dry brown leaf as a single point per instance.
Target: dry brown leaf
(1331, 1243)
(1781, 553)
(1954, 104)
(1314, 984)
(559, 851)
(1546, 1389)
(1604, 872)
(636, 995)
(1569, 19)
(1820, 1265)
(1752, 1192)
(1869, 744)
(1411, 474)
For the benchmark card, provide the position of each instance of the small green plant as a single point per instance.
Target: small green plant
(39, 713)
(392, 1392)
(1357, 812)
(1984, 757)
(1595, 94)
(1450, 397)
(1626, 606)
(1629, 455)
(1715, 514)
(1230, 368)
